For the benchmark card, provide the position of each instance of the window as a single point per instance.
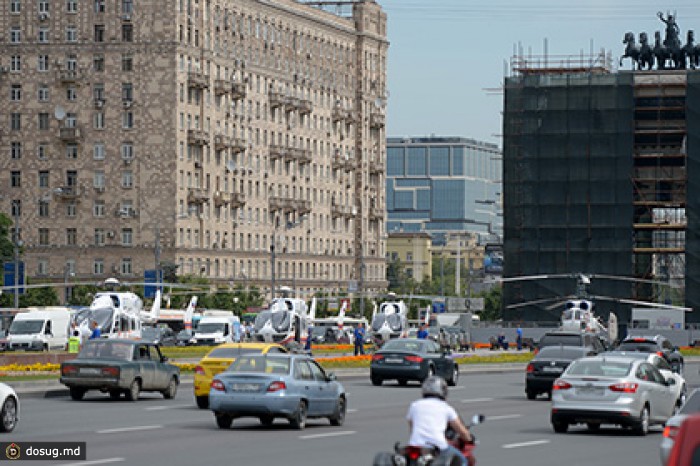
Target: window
(71, 93)
(43, 208)
(72, 6)
(127, 91)
(98, 151)
(15, 35)
(98, 62)
(98, 209)
(127, 151)
(71, 34)
(127, 33)
(126, 266)
(98, 120)
(98, 179)
(15, 121)
(98, 91)
(71, 209)
(100, 236)
(43, 93)
(71, 151)
(72, 62)
(71, 236)
(16, 208)
(127, 236)
(15, 6)
(127, 120)
(16, 92)
(99, 6)
(43, 179)
(43, 237)
(42, 63)
(42, 151)
(15, 150)
(44, 121)
(71, 119)
(127, 179)
(42, 267)
(127, 6)
(98, 267)
(43, 6)
(16, 63)
(16, 179)
(99, 33)
(127, 62)
(43, 36)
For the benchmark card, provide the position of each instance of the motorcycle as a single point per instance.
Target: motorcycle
(409, 455)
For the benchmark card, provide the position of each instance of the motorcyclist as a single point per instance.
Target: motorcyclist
(429, 417)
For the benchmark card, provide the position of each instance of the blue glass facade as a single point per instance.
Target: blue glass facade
(443, 184)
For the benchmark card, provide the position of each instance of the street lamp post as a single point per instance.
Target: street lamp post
(17, 244)
(272, 261)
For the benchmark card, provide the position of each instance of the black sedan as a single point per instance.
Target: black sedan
(548, 365)
(163, 336)
(407, 359)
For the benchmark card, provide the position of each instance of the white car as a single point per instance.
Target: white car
(9, 414)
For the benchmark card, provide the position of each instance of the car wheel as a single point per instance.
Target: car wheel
(454, 377)
(267, 420)
(170, 392)
(298, 420)
(338, 418)
(431, 372)
(202, 402)
(642, 426)
(560, 427)
(8, 414)
(223, 420)
(593, 426)
(134, 391)
(531, 395)
(376, 381)
(77, 393)
(115, 394)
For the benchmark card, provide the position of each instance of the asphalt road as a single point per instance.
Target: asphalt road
(154, 431)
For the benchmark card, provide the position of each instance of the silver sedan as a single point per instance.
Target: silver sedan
(292, 386)
(612, 390)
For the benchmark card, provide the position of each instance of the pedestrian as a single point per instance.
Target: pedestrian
(443, 340)
(519, 338)
(422, 332)
(74, 340)
(309, 338)
(359, 337)
(96, 332)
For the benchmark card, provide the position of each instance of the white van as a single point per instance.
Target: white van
(40, 328)
(217, 327)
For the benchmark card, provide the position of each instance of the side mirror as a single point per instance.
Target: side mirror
(330, 377)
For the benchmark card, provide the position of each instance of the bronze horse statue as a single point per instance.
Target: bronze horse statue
(691, 51)
(631, 50)
(661, 53)
(646, 54)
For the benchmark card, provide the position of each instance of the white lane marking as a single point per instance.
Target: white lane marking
(159, 408)
(128, 429)
(102, 461)
(477, 400)
(458, 388)
(525, 444)
(503, 416)
(329, 434)
(351, 411)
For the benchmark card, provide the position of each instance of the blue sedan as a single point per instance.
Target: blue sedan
(290, 386)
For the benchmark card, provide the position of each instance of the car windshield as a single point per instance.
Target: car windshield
(232, 353)
(260, 364)
(318, 331)
(692, 404)
(211, 327)
(403, 345)
(566, 340)
(563, 352)
(645, 347)
(105, 349)
(26, 327)
(149, 332)
(600, 367)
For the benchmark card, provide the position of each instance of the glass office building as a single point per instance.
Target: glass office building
(439, 184)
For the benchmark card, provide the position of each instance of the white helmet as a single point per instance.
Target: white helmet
(434, 386)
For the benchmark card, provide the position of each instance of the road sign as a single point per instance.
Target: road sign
(151, 276)
(9, 277)
(352, 286)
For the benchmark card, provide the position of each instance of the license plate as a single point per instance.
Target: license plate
(245, 387)
(90, 370)
(590, 390)
(394, 360)
(552, 369)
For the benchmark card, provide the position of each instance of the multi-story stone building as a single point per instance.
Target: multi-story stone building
(205, 133)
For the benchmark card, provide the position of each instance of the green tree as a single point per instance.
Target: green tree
(45, 296)
(6, 245)
(492, 304)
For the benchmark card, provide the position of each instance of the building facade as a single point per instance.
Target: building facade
(203, 133)
(598, 170)
(443, 184)
(414, 253)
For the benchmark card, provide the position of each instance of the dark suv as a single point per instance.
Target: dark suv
(658, 344)
(591, 342)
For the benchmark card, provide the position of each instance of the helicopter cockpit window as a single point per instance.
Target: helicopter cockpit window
(577, 315)
(568, 314)
(584, 305)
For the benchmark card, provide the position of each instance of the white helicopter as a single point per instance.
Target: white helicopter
(286, 320)
(390, 320)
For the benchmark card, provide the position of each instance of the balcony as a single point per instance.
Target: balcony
(301, 206)
(197, 196)
(340, 162)
(277, 151)
(222, 86)
(197, 80)
(338, 210)
(237, 199)
(67, 192)
(238, 91)
(376, 167)
(221, 198)
(238, 145)
(305, 107)
(375, 213)
(302, 156)
(277, 99)
(197, 137)
(376, 120)
(69, 76)
(69, 134)
(341, 114)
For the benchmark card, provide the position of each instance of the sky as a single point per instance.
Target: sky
(448, 58)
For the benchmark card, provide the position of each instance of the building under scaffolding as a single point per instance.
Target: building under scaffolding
(596, 180)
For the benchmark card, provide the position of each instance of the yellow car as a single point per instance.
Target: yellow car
(218, 360)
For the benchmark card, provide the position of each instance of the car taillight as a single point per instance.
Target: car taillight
(561, 385)
(660, 354)
(110, 371)
(625, 387)
(413, 453)
(69, 370)
(199, 370)
(277, 386)
(218, 385)
(377, 357)
(670, 432)
(417, 359)
(530, 368)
